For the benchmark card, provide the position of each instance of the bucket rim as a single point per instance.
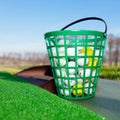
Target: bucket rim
(74, 32)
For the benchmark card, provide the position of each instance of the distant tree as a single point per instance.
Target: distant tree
(117, 50)
(110, 46)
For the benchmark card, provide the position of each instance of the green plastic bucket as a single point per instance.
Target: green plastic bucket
(76, 58)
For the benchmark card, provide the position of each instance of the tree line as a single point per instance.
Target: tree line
(28, 58)
(113, 52)
(111, 57)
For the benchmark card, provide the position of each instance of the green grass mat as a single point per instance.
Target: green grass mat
(20, 100)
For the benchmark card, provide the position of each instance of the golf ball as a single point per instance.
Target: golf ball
(79, 48)
(62, 42)
(97, 53)
(59, 81)
(61, 61)
(93, 72)
(70, 81)
(94, 61)
(80, 80)
(62, 73)
(53, 49)
(87, 91)
(81, 61)
(81, 72)
(87, 88)
(65, 92)
(61, 51)
(77, 89)
(71, 51)
(71, 70)
(55, 62)
(87, 72)
(88, 51)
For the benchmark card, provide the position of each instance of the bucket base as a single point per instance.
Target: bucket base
(77, 98)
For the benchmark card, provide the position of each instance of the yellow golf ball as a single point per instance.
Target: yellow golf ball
(77, 89)
(89, 51)
(95, 61)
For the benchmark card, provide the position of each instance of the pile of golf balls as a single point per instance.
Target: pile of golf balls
(73, 67)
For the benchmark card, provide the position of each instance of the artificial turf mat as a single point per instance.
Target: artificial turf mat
(20, 100)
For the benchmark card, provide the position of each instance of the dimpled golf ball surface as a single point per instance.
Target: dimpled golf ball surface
(79, 80)
(53, 49)
(81, 61)
(71, 70)
(61, 51)
(71, 51)
(62, 42)
(59, 82)
(81, 72)
(87, 89)
(60, 61)
(70, 81)
(77, 89)
(62, 73)
(65, 92)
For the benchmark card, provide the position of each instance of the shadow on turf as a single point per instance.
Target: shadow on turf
(26, 79)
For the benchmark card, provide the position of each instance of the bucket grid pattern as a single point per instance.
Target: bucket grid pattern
(75, 58)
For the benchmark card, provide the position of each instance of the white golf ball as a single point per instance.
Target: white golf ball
(80, 80)
(86, 88)
(93, 72)
(61, 51)
(81, 61)
(65, 92)
(86, 91)
(97, 53)
(71, 51)
(81, 72)
(62, 42)
(70, 81)
(71, 70)
(92, 48)
(71, 64)
(59, 81)
(61, 61)
(92, 80)
(53, 49)
(79, 48)
(88, 83)
(62, 73)
(55, 62)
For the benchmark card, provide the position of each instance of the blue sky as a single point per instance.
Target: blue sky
(23, 23)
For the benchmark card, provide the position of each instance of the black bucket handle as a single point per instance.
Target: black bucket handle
(88, 18)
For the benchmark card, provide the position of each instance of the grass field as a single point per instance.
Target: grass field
(112, 73)
(12, 69)
(24, 101)
(9, 69)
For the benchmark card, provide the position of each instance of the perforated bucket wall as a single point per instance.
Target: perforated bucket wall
(75, 58)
